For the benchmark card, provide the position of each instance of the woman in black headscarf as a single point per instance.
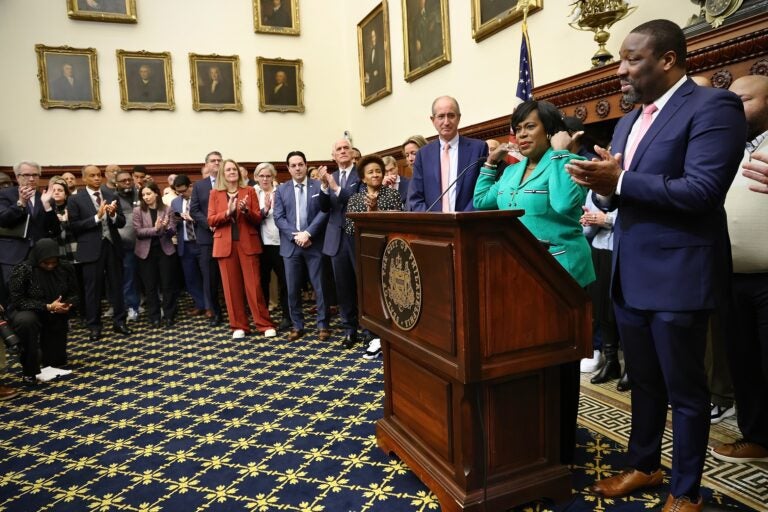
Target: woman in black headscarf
(43, 289)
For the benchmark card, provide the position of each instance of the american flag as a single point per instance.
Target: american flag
(524, 87)
(525, 80)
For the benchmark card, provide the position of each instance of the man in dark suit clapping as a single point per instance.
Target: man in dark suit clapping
(95, 217)
(671, 254)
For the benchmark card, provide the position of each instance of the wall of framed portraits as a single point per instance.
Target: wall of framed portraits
(172, 122)
(482, 74)
(299, 83)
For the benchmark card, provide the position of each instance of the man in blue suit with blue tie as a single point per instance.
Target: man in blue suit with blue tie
(339, 246)
(443, 161)
(673, 163)
(198, 210)
(302, 226)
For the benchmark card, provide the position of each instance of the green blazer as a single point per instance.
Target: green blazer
(552, 204)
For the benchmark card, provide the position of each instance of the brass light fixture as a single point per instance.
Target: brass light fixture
(598, 16)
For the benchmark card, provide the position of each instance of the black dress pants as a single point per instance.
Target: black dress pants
(158, 276)
(43, 339)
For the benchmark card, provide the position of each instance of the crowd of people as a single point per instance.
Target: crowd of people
(642, 225)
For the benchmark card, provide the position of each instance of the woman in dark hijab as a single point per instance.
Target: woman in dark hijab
(43, 289)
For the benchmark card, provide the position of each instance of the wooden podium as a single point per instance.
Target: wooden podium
(474, 317)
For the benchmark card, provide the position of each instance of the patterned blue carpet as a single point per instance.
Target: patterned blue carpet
(187, 419)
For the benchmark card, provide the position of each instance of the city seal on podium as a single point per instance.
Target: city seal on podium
(401, 284)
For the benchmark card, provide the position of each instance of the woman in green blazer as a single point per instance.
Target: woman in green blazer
(540, 185)
(552, 202)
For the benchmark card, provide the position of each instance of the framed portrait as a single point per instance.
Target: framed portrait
(116, 11)
(426, 37)
(215, 82)
(68, 77)
(145, 80)
(491, 16)
(281, 87)
(374, 55)
(276, 17)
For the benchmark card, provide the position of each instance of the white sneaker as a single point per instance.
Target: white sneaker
(108, 313)
(718, 413)
(133, 315)
(238, 334)
(270, 333)
(593, 364)
(374, 349)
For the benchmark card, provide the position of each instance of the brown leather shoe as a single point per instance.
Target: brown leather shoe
(7, 393)
(324, 334)
(626, 482)
(209, 313)
(196, 312)
(682, 504)
(294, 334)
(741, 451)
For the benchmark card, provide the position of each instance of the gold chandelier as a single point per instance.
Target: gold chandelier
(598, 16)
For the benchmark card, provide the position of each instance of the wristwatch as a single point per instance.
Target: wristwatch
(19, 204)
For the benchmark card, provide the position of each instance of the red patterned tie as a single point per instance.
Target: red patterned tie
(645, 123)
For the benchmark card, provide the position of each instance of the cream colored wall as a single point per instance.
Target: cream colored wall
(481, 75)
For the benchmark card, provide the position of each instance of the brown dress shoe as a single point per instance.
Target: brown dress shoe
(294, 334)
(209, 313)
(741, 451)
(196, 312)
(324, 334)
(7, 393)
(626, 482)
(682, 504)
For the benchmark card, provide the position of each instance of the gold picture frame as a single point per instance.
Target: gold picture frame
(426, 37)
(492, 16)
(69, 77)
(215, 82)
(146, 81)
(113, 11)
(281, 85)
(374, 55)
(284, 20)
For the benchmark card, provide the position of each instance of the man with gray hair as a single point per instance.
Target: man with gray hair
(26, 216)
(446, 169)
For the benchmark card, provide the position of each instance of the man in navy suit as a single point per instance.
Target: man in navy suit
(198, 209)
(95, 217)
(16, 205)
(302, 225)
(337, 189)
(189, 252)
(672, 167)
(457, 152)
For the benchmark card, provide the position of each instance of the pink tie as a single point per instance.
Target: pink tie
(645, 123)
(445, 175)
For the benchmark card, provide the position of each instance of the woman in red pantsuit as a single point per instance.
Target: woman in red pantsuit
(234, 215)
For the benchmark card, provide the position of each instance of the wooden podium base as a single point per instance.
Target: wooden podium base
(484, 446)
(553, 482)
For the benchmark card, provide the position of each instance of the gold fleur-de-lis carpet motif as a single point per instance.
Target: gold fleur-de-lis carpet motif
(187, 419)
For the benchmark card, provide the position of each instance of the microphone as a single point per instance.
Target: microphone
(458, 177)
